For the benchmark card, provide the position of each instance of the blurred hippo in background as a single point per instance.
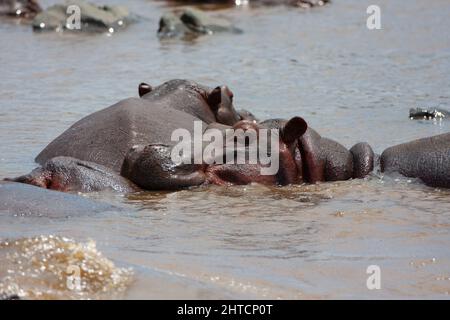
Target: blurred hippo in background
(20, 8)
(189, 23)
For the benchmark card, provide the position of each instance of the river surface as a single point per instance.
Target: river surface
(300, 242)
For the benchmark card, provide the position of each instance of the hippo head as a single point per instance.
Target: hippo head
(220, 100)
(289, 167)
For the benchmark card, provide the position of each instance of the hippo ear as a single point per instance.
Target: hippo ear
(144, 88)
(215, 98)
(293, 129)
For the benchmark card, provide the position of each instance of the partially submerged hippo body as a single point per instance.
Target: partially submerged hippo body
(20, 8)
(427, 159)
(190, 22)
(93, 18)
(18, 199)
(323, 159)
(137, 125)
(133, 140)
(70, 174)
(106, 136)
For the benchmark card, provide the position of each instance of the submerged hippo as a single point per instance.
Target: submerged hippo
(70, 174)
(322, 159)
(427, 159)
(20, 8)
(18, 199)
(106, 136)
(109, 136)
(133, 139)
(190, 22)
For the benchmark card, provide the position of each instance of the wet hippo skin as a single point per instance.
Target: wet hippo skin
(427, 159)
(18, 199)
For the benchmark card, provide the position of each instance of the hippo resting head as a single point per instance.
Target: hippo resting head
(217, 106)
(151, 167)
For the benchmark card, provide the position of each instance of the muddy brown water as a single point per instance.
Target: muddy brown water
(309, 241)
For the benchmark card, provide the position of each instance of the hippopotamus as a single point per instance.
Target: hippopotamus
(70, 174)
(191, 22)
(132, 140)
(427, 159)
(106, 136)
(145, 159)
(427, 114)
(98, 144)
(20, 8)
(18, 199)
(323, 159)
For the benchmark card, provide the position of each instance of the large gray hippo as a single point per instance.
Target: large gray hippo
(100, 143)
(106, 136)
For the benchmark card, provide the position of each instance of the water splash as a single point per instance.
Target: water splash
(54, 267)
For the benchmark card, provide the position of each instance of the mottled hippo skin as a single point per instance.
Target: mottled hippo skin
(20, 8)
(427, 159)
(70, 174)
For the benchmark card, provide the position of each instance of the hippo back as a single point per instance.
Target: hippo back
(106, 136)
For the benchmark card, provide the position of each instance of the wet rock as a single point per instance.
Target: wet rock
(20, 8)
(93, 18)
(190, 22)
(294, 3)
(427, 114)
